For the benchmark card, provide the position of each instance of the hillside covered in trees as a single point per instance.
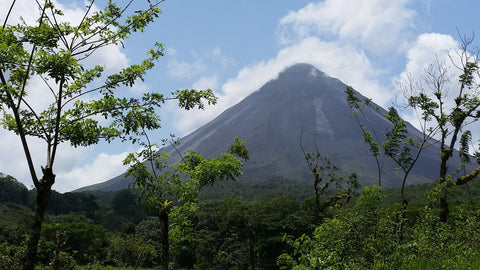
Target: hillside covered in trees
(279, 231)
(350, 210)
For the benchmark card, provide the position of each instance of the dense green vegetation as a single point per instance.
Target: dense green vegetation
(366, 236)
(163, 224)
(114, 231)
(76, 93)
(171, 190)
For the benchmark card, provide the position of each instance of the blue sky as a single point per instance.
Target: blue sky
(234, 47)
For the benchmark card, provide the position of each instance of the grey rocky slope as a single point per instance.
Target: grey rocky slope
(302, 103)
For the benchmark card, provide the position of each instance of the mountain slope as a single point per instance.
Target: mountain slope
(301, 105)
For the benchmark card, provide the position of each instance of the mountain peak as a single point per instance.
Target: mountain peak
(302, 105)
(300, 67)
(304, 80)
(301, 70)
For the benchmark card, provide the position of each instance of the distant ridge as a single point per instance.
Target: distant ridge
(304, 104)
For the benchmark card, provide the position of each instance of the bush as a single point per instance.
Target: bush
(131, 250)
(84, 241)
(367, 237)
(11, 256)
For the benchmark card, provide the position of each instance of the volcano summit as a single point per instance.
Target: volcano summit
(303, 105)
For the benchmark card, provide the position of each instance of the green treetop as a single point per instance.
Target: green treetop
(83, 103)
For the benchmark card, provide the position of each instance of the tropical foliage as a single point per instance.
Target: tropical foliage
(160, 221)
(81, 103)
(277, 232)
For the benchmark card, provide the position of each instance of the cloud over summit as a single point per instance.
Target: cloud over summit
(375, 25)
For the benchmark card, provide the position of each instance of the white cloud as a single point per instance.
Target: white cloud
(183, 69)
(377, 25)
(206, 83)
(111, 57)
(343, 62)
(12, 159)
(333, 35)
(74, 167)
(23, 10)
(68, 161)
(426, 48)
(103, 167)
(198, 65)
(429, 50)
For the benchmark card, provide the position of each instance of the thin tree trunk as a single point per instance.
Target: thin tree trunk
(444, 211)
(44, 189)
(402, 221)
(163, 218)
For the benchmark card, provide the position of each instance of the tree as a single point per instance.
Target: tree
(12, 191)
(449, 113)
(325, 174)
(172, 189)
(396, 145)
(83, 105)
(352, 239)
(72, 202)
(83, 240)
(131, 250)
(369, 134)
(125, 203)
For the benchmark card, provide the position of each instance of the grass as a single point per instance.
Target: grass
(462, 264)
(110, 268)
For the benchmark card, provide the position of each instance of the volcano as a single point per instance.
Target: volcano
(301, 106)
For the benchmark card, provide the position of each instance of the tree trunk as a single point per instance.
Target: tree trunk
(44, 189)
(163, 218)
(444, 210)
(443, 197)
(401, 222)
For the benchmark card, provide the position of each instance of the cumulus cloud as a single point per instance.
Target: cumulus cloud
(13, 161)
(111, 57)
(429, 52)
(426, 49)
(334, 35)
(198, 64)
(74, 167)
(207, 82)
(376, 25)
(184, 69)
(339, 37)
(104, 166)
(342, 62)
